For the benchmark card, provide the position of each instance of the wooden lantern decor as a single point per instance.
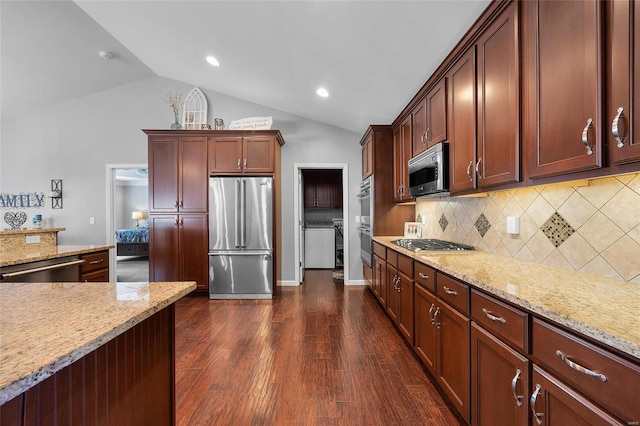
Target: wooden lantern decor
(194, 111)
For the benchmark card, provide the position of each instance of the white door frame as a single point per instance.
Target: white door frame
(297, 200)
(111, 216)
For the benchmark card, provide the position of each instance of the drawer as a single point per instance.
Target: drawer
(380, 250)
(100, 276)
(453, 292)
(614, 387)
(94, 261)
(126, 250)
(508, 323)
(392, 258)
(405, 265)
(424, 276)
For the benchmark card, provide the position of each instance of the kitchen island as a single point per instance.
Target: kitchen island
(88, 353)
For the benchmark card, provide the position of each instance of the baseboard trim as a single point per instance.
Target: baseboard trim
(292, 283)
(356, 282)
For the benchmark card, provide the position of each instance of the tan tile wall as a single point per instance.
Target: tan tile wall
(598, 232)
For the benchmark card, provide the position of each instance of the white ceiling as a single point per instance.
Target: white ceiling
(371, 56)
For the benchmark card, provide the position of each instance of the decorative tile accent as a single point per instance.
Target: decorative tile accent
(443, 222)
(482, 224)
(557, 229)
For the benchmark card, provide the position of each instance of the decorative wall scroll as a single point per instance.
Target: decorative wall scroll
(252, 123)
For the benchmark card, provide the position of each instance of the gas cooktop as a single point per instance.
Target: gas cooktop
(430, 244)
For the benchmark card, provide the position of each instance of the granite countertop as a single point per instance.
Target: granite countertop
(18, 257)
(38, 338)
(600, 308)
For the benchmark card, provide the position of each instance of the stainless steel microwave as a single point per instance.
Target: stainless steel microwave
(429, 171)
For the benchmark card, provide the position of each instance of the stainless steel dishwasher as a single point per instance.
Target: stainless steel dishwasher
(63, 269)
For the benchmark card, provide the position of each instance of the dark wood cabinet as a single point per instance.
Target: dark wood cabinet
(401, 155)
(322, 189)
(178, 247)
(418, 128)
(553, 403)
(380, 280)
(562, 86)
(622, 124)
(462, 123)
(425, 331)
(233, 154)
(367, 157)
(499, 382)
(95, 267)
(393, 305)
(405, 307)
(177, 174)
(498, 83)
(429, 119)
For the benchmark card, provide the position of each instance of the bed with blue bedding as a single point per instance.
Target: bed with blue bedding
(132, 242)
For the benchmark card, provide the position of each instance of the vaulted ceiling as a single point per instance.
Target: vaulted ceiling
(372, 57)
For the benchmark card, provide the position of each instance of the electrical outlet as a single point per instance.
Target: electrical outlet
(513, 225)
(92, 220)
(33, 239)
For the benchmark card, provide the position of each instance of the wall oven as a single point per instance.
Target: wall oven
(366, 220)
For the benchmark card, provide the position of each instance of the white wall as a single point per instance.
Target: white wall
(75, 140)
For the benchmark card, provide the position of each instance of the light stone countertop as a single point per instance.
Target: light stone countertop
(18, 257)
(600, 308)
(45, 327)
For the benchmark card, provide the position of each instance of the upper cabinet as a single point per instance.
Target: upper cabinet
(429, 119)
(401, 156)
(242, 154)
(462, 122)
(623, 85)
(322, 189)
(562, 86)
(367, 157)
(498, 86)
(177, 174)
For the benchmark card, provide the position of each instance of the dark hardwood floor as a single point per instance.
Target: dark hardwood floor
(318, 354)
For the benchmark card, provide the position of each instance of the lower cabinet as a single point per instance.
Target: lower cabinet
(95, 267)
(178, 245)
(554, 403)
(380, 279)
(499, 381)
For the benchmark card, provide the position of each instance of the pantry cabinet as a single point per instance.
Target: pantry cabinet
(563, 86)
(177, 174)
(623, 83)
(178, 247)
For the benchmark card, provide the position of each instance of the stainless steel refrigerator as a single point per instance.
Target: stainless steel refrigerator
(240, 238)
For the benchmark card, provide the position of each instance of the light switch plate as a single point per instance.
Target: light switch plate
(513, 225)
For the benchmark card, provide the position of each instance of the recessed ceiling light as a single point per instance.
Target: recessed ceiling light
(213, 61)
(322, 92)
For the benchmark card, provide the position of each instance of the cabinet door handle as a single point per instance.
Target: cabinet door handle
(181, 222)
(175, 222)
(585, 137)
(580, 368)
(532, 405)
(615, 129)
(180, 204)
(175, 203)
(469, 170)
(450, 292)
(493, 317)
(478, 167)
(432, 318)
(435, 316)
(427, 136)
(238, 164)
(244, 166)
(421, 275)
(514, 381)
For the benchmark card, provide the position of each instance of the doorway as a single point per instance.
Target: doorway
(127, 219)
(317, 215)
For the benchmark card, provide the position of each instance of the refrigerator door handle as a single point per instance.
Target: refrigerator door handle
(243, 214)
(237, 214)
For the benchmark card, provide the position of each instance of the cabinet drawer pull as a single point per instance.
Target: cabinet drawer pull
(514, 381)
(493, 317)
(532, 405)
(450, 292)
(615, 129)
(95, 262)
(585, 137)
(580, 368)
(421, 275)
(432, 318)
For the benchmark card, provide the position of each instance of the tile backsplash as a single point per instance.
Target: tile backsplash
(592, 228)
